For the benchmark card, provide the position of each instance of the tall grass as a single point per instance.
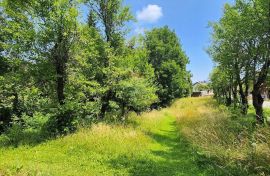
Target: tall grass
(102, 149)
(194, 136)
(90, 151)
(234, 144)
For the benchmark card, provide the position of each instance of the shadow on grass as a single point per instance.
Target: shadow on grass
(27, 138)
(180, 158)
(16, 136)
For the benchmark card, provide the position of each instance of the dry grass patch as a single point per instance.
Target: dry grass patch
(237, 145)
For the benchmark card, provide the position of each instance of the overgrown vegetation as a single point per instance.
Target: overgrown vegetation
(101, 93)
(59, 71)
(146, 145)
(224, 140)
(240, 49)
(195, 136)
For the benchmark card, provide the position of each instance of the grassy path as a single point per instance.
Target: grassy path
(151, 146)
(178, 157)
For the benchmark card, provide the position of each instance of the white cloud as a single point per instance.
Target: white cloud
(151, 13)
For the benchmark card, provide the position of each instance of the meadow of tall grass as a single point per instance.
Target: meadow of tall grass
(230, 142)
(145, 145)
(90, 151)
(194, 136)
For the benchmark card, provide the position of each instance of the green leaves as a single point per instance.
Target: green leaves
(54, 65)
(112, 16)
(240, 50)
(136, 93)
(169, 61)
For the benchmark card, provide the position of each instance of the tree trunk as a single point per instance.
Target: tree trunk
(258, 105)
(123, 110)
(244, 101)
(256, 93)
(105, 104)
(257, 87)
(235, 99)
(228, 98)
(244, 104)
(60, 83)
(103, 110)
(243, 94)
(61, 57)
(15, 107)
(246, 92)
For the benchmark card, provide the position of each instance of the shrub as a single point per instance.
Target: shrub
(25, 130)
(61, 123)
(5, 118)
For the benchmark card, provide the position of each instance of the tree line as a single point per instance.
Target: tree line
(58, 70)
(240, 49)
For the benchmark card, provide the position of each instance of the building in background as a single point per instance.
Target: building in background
(201, 88)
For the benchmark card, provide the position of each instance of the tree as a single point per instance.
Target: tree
(169, 61)
(221, 85)
(112, 16)
(16, 55)
(232, 56)
(241, 44)
(57, 68)
(17, 33)
(58, 32)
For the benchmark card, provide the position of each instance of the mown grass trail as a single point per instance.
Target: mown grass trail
(151, 144)
(161, 152)
(173, 155)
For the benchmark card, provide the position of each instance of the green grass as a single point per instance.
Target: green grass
(232, 144)
(193, 137)
(150, 145)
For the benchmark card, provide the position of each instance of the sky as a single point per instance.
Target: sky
(189, 19)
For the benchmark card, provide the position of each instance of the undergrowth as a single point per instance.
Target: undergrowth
(194, 136)
(232, 143)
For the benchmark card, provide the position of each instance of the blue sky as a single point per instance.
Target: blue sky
(189, 19)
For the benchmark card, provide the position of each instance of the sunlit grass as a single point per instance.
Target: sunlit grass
(236, 144)
(194, 136)
(88, 152)
(148, 145)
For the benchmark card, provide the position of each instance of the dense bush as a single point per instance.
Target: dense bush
(26, 130)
